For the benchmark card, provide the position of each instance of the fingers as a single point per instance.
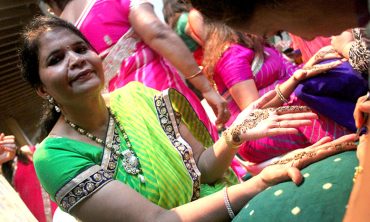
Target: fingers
(362, 106)
(291, 109)
(316, 69)
(290, 124)
(322, 141)
(223, 115)
(317, 153)
(280, 131)
(296, 116)
(295, 175)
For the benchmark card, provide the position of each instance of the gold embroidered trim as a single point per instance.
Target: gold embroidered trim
(170, 121)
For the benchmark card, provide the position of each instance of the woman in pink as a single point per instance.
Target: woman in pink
(243, 68)
(136, 46)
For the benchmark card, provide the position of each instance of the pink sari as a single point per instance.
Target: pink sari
(126, 57)
(33, 195)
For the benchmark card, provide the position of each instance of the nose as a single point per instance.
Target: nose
(75, 60)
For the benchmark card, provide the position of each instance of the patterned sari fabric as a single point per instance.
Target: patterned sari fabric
(234, 67)
(126, 57)
(70, 170)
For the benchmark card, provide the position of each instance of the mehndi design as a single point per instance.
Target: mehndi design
(338, 147)
(233, 134)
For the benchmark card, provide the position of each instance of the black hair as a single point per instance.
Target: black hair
(29, 61)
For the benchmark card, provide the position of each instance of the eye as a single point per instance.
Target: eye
(55, 59)
(81, 49)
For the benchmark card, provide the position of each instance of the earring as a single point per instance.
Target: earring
(52, 102)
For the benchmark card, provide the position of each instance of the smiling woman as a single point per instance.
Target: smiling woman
(68, 66)
(143, 146)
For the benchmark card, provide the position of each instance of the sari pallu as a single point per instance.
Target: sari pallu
(71, 170)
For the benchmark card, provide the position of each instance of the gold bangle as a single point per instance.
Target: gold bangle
(199, 72)
(281, 96)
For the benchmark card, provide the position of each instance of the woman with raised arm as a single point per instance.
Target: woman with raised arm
(134, 156)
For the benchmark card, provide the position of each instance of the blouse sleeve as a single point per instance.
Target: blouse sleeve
(359, 54)
(69, 171)
(234, 65)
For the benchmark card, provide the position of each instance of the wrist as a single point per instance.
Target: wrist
(232, 138)
(195, 74)
(261, 183)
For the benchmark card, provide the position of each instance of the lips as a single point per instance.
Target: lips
(79, 75)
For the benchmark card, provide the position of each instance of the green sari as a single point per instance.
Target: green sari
(71, 171)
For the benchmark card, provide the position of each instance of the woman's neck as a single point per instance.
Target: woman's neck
(91, 115)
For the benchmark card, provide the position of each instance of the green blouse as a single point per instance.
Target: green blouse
(71, 170)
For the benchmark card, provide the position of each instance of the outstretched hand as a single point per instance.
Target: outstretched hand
(254, 123)
(288, 166)
(325, 53)
(311, 71)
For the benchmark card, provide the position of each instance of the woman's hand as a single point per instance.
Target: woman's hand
(362, 109)
(311, 71)
(254, 123)
(7, 148)
(287, 167)
(218, 105)
(325, 53)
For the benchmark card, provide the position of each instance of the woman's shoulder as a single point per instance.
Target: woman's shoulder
(238, 50)
(236, 54)
(132, 89)
(53, 146)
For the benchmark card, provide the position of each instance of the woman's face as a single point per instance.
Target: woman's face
(69, 69)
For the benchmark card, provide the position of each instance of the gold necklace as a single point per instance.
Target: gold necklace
(130, 161)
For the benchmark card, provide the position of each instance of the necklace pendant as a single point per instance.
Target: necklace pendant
(130, 162)
(141, 178)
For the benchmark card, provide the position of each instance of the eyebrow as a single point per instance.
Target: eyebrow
(55, 51)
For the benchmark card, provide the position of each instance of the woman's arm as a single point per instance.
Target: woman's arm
(252, 123)
(118, 202)
(162, 39)
(244, 93)
(310, 69)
